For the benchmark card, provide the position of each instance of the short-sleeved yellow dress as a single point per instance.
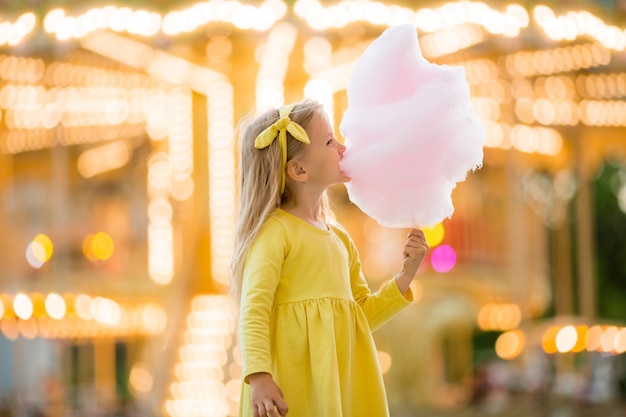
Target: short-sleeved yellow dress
(307, 317)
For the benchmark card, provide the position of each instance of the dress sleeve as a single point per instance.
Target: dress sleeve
(382, 305)
(261, 275)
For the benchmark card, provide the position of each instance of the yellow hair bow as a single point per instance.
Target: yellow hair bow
(280, 128)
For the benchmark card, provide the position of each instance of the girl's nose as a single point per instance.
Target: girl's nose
(342, 148)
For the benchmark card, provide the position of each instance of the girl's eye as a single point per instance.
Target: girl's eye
(329, 141)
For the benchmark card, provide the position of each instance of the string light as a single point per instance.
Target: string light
(577, 24)
(13, 33)
(222, 189)
(199, 385)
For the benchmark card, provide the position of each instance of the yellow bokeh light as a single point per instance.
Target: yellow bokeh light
(34, 255)
(46, 244)
(434, 235)
(23, 306)
(98, 247)
(509, 345)
(38, 300)
(7, 302)
(548, 340)
(385, 361)
(102, 246)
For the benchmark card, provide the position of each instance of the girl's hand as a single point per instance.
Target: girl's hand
(266, 396)
(413, 254)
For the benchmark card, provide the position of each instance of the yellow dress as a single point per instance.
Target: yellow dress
(306, 318)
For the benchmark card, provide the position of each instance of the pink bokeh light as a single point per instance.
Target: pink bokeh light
(443, 258)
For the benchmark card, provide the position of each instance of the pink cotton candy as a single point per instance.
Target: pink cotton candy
(411, 133)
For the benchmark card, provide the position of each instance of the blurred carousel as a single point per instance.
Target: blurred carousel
(117, 177)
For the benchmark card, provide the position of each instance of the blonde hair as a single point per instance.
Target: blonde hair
(259, 177)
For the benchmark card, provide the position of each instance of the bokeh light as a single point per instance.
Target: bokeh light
(98, 247)
(140, 379)
(443, 258)
(385, 361)
(509, 345)
(548, 339)
(23, 306)
(55, 306)
(594, 338)
(38, 301)
(434, 235)
(39, 251)
(566, 339)
(493, 316)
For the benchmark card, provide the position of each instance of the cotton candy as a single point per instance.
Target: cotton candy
(411, 133)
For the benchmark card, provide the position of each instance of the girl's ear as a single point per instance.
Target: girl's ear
(296, 171)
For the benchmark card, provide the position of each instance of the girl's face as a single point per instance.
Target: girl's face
(321, 158)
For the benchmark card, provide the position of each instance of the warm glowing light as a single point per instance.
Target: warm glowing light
(548, 339)
(620, 341)
(509, 345)
(199, 380)
(385, 361)
(103, 158)
(434, 235)
(575, 24)
(9, 328)
(566, 339)
(493, 316)
(273, 61)
(443, 258)
(222, 187)
(39, 251)
(153, 318)
(39, 308)
(418, 290)
(607, 341)
(106, 311)
(550, 61)
(448, 16)
(28, 328)
(83, 306)
(98, 247)
(23, 306)
(449, 41)
(140, 379)
(55, 306)
(593, 340)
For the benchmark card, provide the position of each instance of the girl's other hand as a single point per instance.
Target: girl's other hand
(266, 396)
(415, 249)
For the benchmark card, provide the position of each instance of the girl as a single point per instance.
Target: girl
(306, 312)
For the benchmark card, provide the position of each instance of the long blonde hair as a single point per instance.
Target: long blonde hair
(259, 177)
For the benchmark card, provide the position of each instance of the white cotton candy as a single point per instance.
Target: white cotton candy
(411, 133)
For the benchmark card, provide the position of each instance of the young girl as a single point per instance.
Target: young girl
(306, 312)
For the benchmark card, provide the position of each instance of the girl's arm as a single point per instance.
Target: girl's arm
(261, 277)
(395, 295)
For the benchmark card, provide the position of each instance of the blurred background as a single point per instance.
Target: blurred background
(117, 196)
